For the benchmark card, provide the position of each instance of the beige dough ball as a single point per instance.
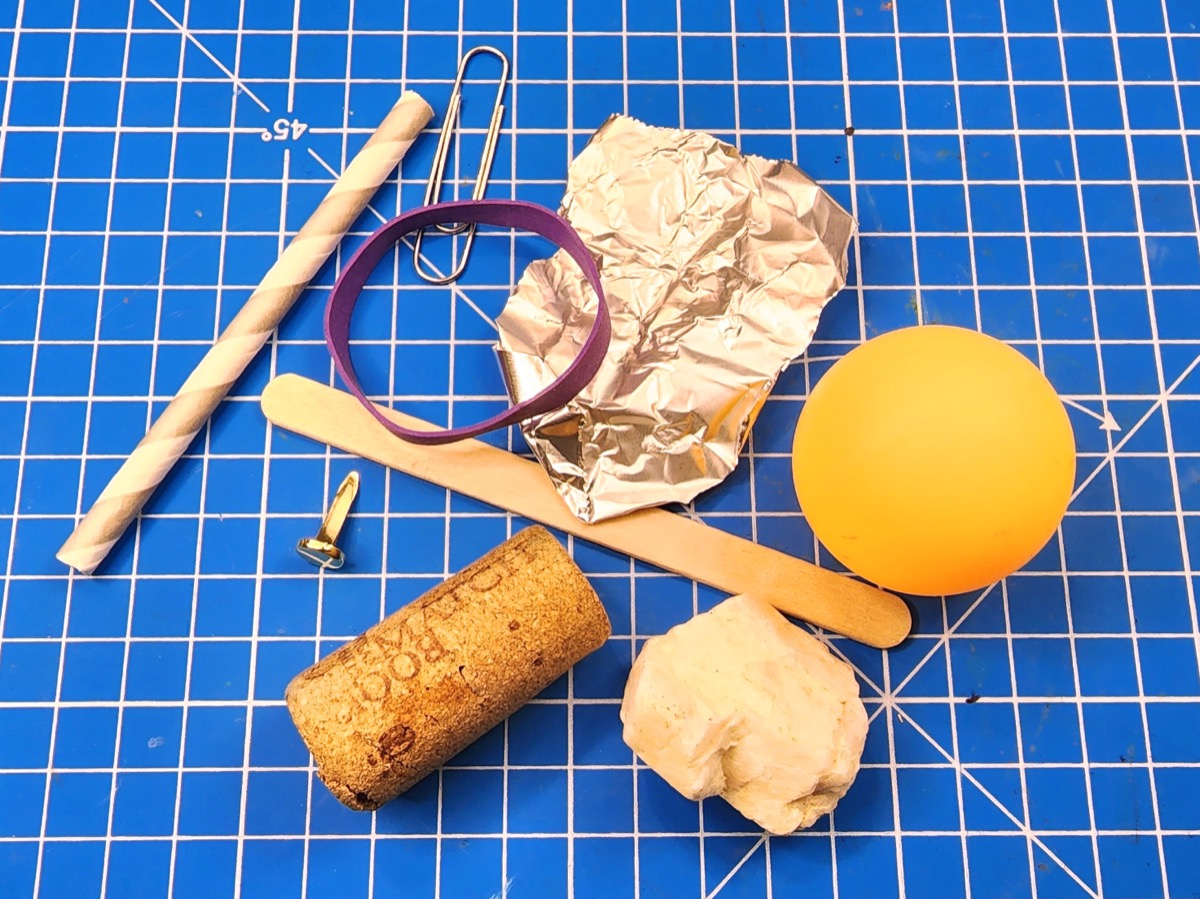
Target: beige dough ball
(740, 703)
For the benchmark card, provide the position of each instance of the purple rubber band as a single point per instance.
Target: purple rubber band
(505, 214)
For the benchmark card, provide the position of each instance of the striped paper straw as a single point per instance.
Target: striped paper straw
(238, 344)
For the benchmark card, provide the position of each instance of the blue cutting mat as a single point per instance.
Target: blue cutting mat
(1025, 168)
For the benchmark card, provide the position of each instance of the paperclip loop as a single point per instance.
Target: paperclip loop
(433, 188)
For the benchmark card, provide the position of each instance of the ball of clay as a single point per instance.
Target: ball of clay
(740, 703)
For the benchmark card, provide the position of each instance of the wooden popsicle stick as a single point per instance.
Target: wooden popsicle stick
(673, 542)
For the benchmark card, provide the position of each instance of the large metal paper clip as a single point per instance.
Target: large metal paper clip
(433, 188)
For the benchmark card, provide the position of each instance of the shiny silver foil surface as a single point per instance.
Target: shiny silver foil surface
(716, 266)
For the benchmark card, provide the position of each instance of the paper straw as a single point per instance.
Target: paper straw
(238, 344)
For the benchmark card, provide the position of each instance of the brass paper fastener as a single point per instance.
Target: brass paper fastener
(322, 549)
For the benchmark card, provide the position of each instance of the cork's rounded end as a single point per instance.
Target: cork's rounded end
(308, 726)
(354, 800)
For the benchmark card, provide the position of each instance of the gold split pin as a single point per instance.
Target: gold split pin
(322, 549)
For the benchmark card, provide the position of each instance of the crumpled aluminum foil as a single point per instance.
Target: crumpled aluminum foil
(716, 266)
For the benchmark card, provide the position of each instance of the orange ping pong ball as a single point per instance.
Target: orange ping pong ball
(933, 460)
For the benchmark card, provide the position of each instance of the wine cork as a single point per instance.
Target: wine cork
(396, 702)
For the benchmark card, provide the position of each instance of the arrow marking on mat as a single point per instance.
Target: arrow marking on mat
(1159, 402)
(1105, 460)
(1107, 422)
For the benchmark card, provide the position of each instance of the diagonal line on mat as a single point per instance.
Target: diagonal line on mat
(457, 291)
(833, 648)
(883, 706)
(1108, 458)
(1025, 829)
(745, 858)
(237, 82)
(941, 641)
(1161, 401)
(241, 85)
